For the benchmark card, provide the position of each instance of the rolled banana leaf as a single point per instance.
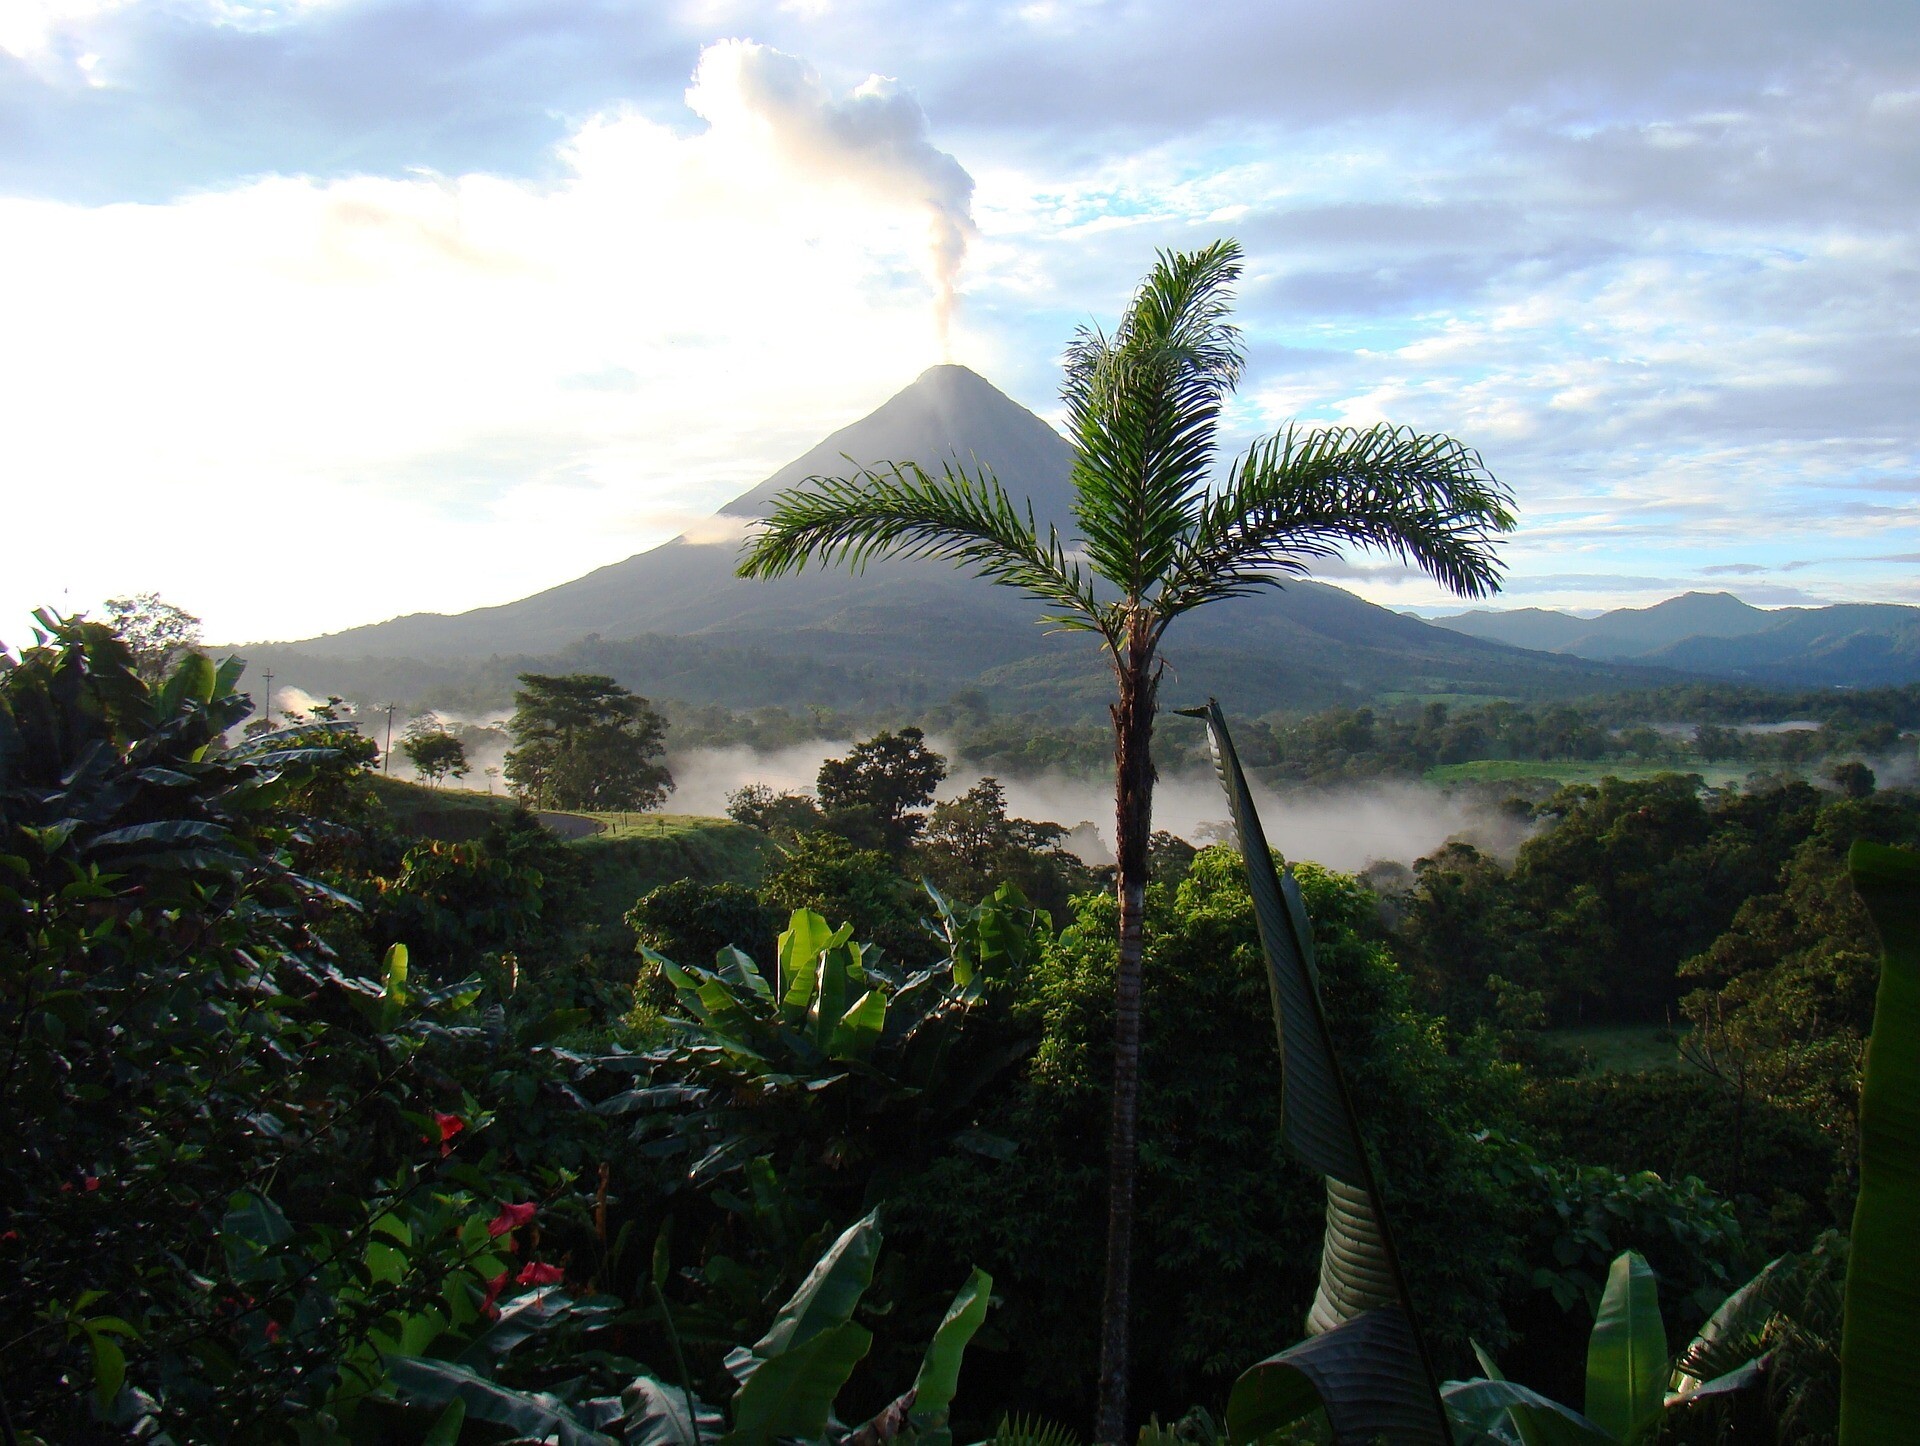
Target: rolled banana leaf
(1365, 1362)
(1879, 1387)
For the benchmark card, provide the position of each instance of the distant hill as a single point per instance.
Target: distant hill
(1856, 645)
(674, 622)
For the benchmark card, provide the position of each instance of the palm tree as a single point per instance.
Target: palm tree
(1143, 404)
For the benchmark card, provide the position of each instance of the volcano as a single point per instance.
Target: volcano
(675, 622)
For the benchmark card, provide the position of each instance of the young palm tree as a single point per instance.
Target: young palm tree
(1144, 404)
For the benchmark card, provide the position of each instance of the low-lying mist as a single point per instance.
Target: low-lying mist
(1345, 828)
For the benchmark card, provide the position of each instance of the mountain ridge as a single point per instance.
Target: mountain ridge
(1718, 634)
(915, 628)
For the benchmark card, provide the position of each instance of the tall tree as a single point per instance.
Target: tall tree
(583, 741)
(873, 793)
(434, 753)
(1143, 405)
(156, 631)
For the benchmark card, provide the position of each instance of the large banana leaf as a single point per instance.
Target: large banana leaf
(1373, 1378)
(1627, 1364)
(1367, 1374)
(789, 1377)
(531, 1415)
(1495, 1410)
(939, 1378)
(1879, 1384)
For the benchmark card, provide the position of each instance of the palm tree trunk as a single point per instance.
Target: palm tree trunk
(1133, 827)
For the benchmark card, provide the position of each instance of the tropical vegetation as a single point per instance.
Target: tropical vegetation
(1143, 408)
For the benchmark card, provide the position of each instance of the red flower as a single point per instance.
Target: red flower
(446, 1126)
(93, 1182)
(511, 1217)
(494, 1287)
(537, 1274)
(273, 1331)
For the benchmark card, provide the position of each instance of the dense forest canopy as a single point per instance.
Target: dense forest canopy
(274, 1162)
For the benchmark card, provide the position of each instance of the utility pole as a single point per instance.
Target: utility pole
(267, 711)
(386, 754)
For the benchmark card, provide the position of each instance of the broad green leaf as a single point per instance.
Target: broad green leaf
(1356, 1274)
(1315, 1115)
(446, 1430)
(801, 944)
(1627, 1362)
(1366, 1375)
(860, 1027)
(829, 998)
(792, 1393)
(167, 831)
(737, 967)
(824, 1301)
(192, 680)
(251, 1228)
(524, 1317)
(1740, 1378)
(1359, 1274)
(109, 1366)
(939, 1377)
(396, 973)
(657, 1415)
(1478, 1409)
(1879, 1384)
(1735, 1334)
(535, 1415)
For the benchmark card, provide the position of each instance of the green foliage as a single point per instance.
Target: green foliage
(1879, 1400)
(786, 1383)
(825, 872)
(435, 754)
(1786, 993)
(781, 815)
(1775, 1166)
(871, 796)
(1788, 1319)
(157, 633)
(1768, 1331)
(1365, 1365)
(695, 919)
(184, 1039)
(830, 1068)
(1600, 908)
(971, 845)
(584, 742)
(1219, 1198)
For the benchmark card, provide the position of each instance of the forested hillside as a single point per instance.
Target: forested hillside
(399, 1121)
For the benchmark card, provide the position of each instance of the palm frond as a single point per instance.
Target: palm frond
(1305, 495)
(1143, 405)
(898, 509)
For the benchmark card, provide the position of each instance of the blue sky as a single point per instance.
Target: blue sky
(327, 310)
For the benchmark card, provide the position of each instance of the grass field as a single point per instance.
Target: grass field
(1623, 1048)
(627, 854)
(1501, 770)
(452, 814)
(639, 852)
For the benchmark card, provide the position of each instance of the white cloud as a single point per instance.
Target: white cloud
(372, 387)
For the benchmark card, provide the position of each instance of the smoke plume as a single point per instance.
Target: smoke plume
(875, 139)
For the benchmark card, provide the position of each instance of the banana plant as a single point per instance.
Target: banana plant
(834, 1032)
(1631, 1384)
(1364, 1362)
(1879, 1391)
(785, 1383)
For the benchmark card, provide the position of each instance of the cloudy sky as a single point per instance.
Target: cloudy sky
(320, 311)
